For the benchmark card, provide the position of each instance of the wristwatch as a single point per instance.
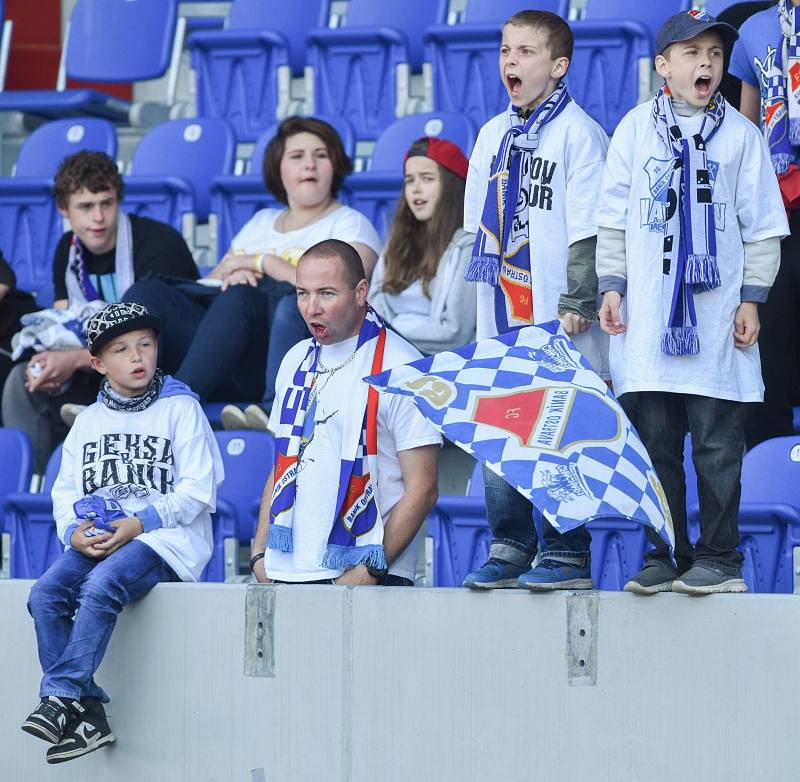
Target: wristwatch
(376, 572)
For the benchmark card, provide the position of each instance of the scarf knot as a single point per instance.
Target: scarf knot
(690, 245)
(501, 254)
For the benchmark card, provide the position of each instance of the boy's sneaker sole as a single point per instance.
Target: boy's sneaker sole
(732, 585)
(505, 583)
(51, 715)
(40, 732)
(573, 583)
(637, 589)
(62, 755)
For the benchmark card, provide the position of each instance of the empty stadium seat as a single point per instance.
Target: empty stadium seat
(361, 70)
(29, 523)
(30, 223)
(107, 41)
(16, 456)
(248, 458)
(235, 199)
(374, 193)
(463, 58)
(244, 71)
(651, 15)
(172, 169)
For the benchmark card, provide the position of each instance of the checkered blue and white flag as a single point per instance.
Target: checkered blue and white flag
(530, 407)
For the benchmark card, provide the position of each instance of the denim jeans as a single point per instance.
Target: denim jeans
(717, 430)
(74, 606)
(215, 342)
(288, 328)
(517, 525)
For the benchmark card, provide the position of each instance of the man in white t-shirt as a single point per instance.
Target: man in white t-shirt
(541, 269)
(355, 474)
(690, 219)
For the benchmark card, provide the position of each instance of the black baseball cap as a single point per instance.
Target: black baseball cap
(115, 320)
(688, 24)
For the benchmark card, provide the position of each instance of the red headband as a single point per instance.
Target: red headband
(445, 153)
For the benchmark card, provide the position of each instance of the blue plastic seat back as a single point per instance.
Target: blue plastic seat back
(120, 40)
(460, 536)
(248, 457)
(500, 10)
(355, 65)
(192, 150)
(618, 547)
(49, 144)
(16, 456)
(651, 15)
(771, 472)
(394, 141)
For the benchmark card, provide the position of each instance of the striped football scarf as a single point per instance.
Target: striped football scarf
(690, 244)
(356, 534)
(501, 255)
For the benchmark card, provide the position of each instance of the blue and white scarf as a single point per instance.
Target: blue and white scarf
(501, 255)
(690, 244)
(356, 534)
(79, 285)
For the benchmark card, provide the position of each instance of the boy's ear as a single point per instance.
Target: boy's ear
(560, 67)
(97, 364)
(662, 66)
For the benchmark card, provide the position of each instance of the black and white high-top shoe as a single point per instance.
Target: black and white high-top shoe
(85, 733)
(49, 719)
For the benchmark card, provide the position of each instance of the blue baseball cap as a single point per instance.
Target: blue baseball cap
(688, 24)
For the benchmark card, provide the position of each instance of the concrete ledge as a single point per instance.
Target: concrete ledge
(428, 684)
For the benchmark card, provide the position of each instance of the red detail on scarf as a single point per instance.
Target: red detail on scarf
(520, 297)
(283, 463)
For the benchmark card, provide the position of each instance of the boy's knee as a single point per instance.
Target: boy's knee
(44, 594)
(103, 591)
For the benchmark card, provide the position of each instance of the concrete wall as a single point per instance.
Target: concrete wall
(401, 685)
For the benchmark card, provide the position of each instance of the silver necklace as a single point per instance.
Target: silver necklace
(322, 369)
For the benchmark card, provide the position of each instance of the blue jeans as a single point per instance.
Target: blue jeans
(717, 430)
(74, 606)
(517, 526)
(288, 328)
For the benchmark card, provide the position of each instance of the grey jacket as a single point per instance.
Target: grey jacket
(453, 302)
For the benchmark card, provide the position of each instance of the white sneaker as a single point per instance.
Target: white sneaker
(232, 417)
(69, 412)
(256, 418)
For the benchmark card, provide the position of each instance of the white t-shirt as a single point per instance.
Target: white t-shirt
(165, 456)
(259, 234)
(565, 179)
(747, 208)
(400, 427)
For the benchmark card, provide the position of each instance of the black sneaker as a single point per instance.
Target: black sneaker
(85, 733)
(50, 718)
(656, 576)
(707, 578)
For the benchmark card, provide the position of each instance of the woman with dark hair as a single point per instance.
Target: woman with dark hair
(418, 285)
(216, 334)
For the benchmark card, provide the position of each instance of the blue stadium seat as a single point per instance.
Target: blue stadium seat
(651, 15)
(172, 168)
(374, 193)
(29, 522)
(796, 419)
(16, 456)
(360, 70)
(716, 7)
(244, 71)
(30, 224)
(463, 58)
(236, 198)
(769, 514)
(248, 458)
(108, 41)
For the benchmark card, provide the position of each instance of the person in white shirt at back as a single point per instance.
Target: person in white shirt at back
(355, 474)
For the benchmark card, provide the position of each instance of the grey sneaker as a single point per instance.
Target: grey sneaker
(69, 412)
(657, 575)
(256, 418)
(84, 733)
(706, 578)
(232, 418)
(50, 718)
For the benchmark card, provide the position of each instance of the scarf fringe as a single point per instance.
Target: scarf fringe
(483, 268)
(280, 538)
(781, 161)
(702, 271)
(794, 131)
(680, 341)
(344, 557)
